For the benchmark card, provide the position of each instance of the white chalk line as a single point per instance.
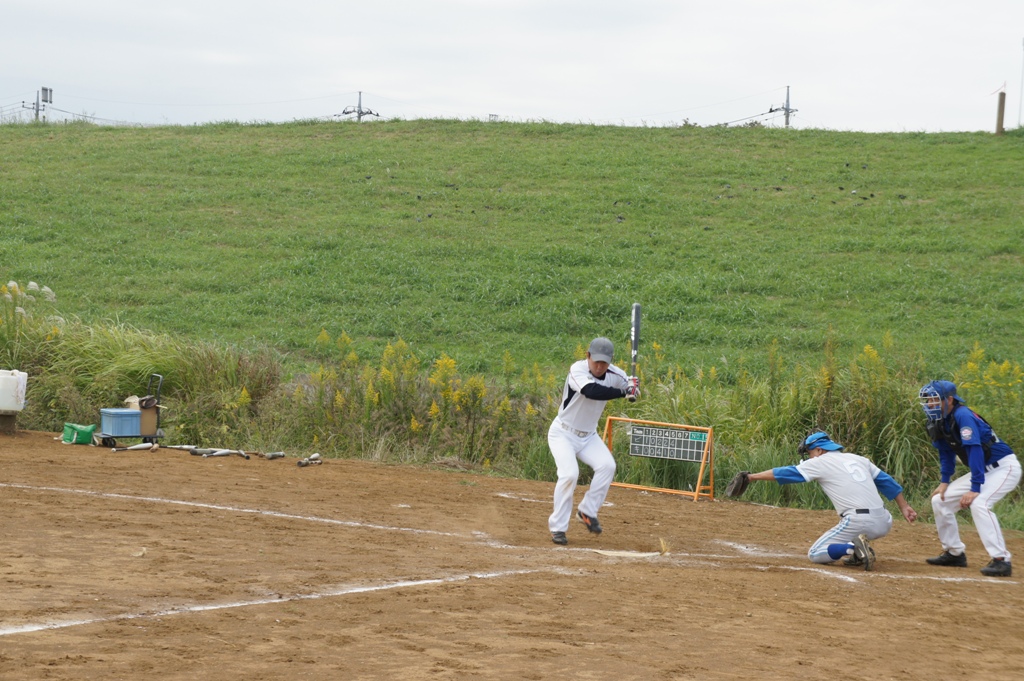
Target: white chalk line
(883, 575)
(747, 550)
(757, 551)
(754, 550)
(979, 580)
(233, 509)
(510, 495)
(330, 593)
(818, 571)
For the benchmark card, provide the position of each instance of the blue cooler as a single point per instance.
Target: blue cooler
(120, 422)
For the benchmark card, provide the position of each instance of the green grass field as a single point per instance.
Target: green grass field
(476, 238)
(270, 272)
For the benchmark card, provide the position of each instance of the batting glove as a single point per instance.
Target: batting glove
(633, 389)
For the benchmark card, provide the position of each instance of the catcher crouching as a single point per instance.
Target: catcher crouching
(853, 484)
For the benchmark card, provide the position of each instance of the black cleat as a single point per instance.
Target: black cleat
(559, 538)
(863, 554)
(591, 523)
(948, 559)
(997, 567)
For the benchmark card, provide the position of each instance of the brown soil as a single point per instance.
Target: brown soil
(128, 565)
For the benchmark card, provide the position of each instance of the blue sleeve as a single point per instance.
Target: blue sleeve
(887, 486)
(786, 475)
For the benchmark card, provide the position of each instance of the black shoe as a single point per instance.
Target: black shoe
(948, 559)
(863, 554)
(559, 538)
(997, 567)
(591, 523)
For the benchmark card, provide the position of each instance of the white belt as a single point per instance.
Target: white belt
(579, 433)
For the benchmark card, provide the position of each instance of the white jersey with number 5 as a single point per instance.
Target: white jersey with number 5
(847, 479)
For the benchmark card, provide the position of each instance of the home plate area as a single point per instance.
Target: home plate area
(119, 564)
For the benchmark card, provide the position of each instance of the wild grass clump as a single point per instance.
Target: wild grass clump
(76, 369)
(399, 404)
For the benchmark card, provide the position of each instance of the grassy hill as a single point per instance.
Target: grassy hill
(478, 238)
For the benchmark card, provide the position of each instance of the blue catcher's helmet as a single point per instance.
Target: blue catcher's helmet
(933, 395)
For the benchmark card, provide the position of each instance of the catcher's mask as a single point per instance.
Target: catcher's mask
(933, 395)
(819, 439)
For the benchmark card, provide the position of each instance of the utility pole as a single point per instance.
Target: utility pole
(359, 111)
(999, 113)
(43, 97)
(788, 110)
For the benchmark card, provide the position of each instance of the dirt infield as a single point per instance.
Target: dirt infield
(162, 565)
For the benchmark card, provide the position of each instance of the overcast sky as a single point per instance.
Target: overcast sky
(871, 65)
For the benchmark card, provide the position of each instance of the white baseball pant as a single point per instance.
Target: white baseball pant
(875, 524)
(1000, 480)
(566, 446)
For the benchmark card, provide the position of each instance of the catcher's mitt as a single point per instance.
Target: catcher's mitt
(738, 484)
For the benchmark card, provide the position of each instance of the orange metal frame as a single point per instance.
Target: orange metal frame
(706, 461)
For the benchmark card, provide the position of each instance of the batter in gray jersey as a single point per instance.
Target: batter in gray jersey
(853, 484)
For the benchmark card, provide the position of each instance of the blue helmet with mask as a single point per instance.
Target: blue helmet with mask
(933, 395)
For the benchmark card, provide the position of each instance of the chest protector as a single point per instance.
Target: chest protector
(938, 433)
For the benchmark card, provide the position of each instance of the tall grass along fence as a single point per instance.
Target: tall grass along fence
(397, 407)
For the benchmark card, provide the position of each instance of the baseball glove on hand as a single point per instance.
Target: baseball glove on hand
(738, 484)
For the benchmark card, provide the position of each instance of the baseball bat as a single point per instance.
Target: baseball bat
(132, 448)
(227, 452)
(634, 338)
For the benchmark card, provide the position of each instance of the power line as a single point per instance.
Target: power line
(706, 106)
(97, 118)
(280, 101)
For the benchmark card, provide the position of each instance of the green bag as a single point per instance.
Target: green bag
(75, 434)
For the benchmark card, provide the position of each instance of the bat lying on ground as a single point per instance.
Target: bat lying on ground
(228, 452)
(207, 452)
(139, 447)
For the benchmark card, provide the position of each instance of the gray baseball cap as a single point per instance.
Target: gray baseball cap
(601, 350)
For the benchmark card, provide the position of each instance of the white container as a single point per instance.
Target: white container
(12, 390)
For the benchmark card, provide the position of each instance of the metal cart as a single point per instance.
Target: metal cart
(150, 401)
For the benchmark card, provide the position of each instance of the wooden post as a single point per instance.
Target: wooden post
(8, 423)
(999, 115)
